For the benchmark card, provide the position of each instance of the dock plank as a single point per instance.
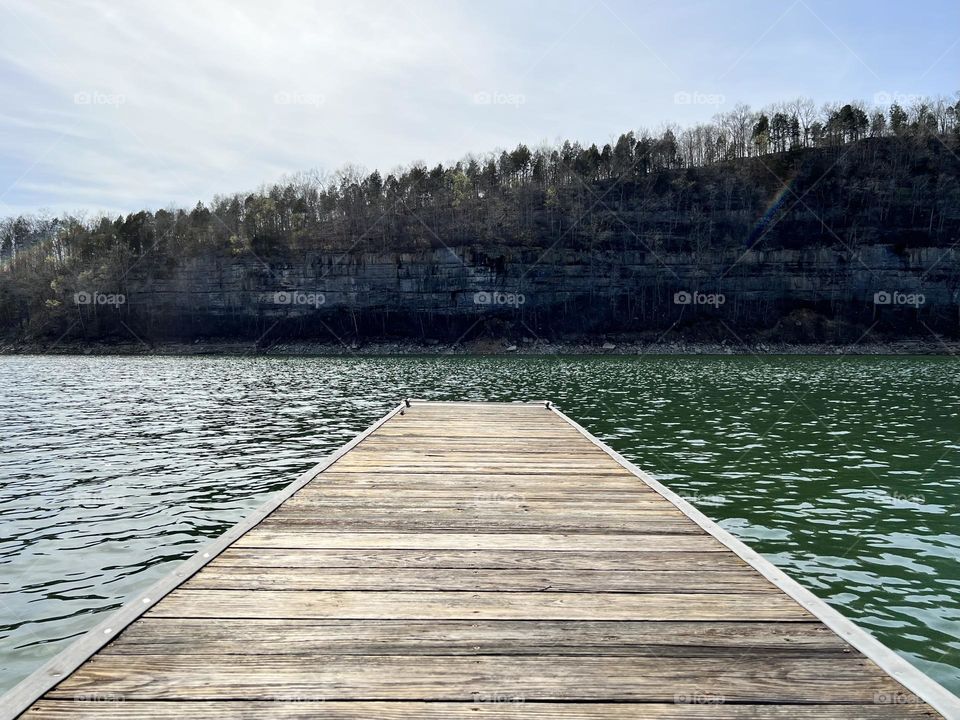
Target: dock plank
(493, 706)
(735, 678)
(282, 537)
(245, 636)
(638, 561)
(478, 580)
(300, 604)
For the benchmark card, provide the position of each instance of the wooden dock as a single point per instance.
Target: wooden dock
(474, 560)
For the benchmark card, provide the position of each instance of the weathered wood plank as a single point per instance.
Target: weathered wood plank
(306, 605)
(478, 580)
(479, 428)
(593, 461)
(642, 509)
(467, 447)
(464, 523)
(302, 538)
(654, 561)
(465, 432)
(442, 452)
(643, 505)
(574, 483)
(496, 706)
(389, 466)
(476, 444)
(735, 678)
(324, 493)
(184, 636)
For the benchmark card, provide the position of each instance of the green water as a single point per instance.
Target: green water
(845, 471)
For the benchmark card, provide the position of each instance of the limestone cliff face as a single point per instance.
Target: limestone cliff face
(443, 292)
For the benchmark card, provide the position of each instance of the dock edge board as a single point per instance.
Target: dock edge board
(34, 686)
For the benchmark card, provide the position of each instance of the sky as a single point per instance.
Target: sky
(125, 105)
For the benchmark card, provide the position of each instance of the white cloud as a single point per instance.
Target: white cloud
(134, 103)
(183, 99)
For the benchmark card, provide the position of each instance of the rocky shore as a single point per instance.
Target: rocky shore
(484, 347)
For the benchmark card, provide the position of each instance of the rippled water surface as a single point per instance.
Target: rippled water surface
(845, 472)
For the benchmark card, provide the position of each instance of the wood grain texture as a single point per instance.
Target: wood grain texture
(463, 522)
(303, 604)
(494, 706)
(185, 636)
(735, 678)
(280, 536)
(653, 560)
(477, 580)
(477, 561)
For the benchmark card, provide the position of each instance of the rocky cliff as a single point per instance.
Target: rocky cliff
(815, 295)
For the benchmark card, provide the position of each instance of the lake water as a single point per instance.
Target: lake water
(844, 471)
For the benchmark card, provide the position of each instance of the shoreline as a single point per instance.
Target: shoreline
(478, 348)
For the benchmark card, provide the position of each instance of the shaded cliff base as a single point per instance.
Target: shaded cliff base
(609, 345)
(799, 333)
